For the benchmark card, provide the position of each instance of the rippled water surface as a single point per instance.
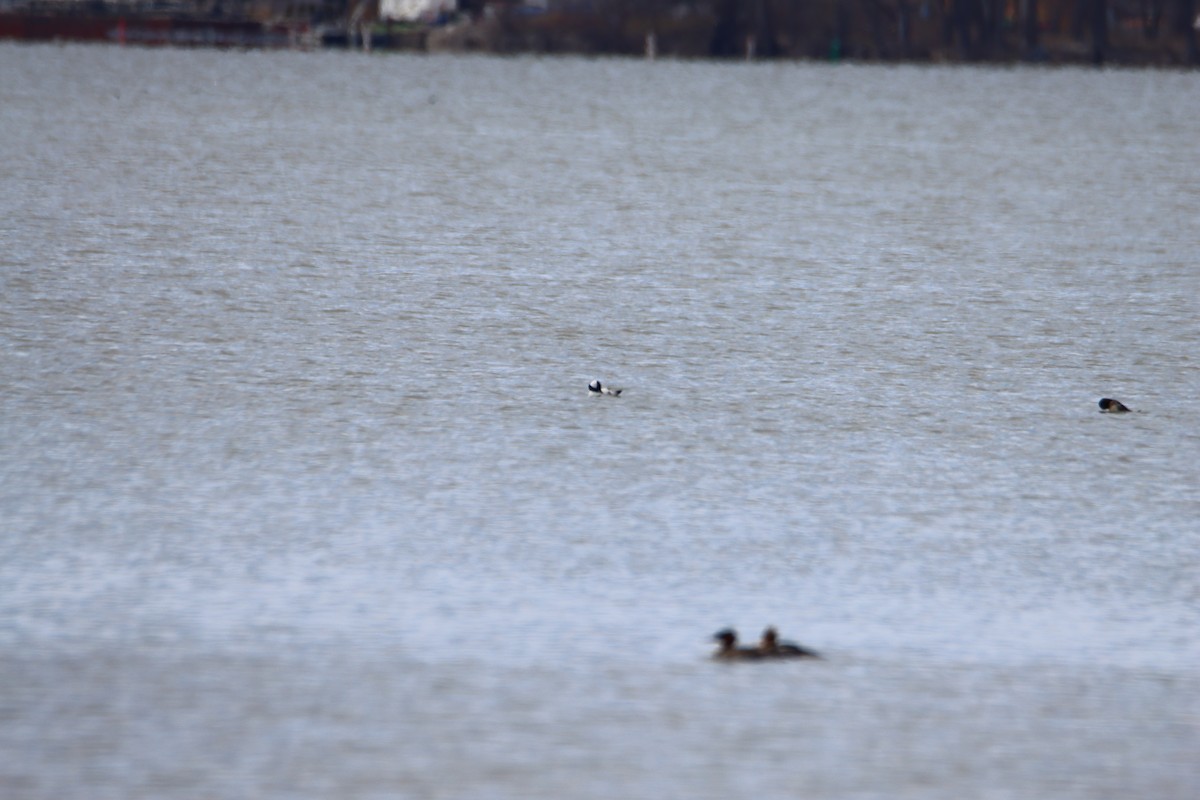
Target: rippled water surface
(302, 494)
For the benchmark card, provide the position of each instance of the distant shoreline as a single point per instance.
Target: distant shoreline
(693, 37)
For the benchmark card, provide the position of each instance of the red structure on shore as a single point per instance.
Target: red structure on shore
(147, 30)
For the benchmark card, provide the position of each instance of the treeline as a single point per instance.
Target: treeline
(1097, 31)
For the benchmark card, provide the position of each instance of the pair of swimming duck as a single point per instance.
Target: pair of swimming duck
(768, 647)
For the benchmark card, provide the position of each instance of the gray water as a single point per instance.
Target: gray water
(302, 493)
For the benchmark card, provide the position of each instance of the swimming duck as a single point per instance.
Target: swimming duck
(729, 651)
(771, 647)
(1110, 406)
(596, 388)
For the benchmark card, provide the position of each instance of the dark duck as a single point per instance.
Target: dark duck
(728, 649)
(771, 647)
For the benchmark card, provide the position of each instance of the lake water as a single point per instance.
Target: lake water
(302, 493)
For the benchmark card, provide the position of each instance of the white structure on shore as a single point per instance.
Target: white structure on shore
(413, 10)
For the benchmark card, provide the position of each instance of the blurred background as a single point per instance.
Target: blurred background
(1159, 32)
